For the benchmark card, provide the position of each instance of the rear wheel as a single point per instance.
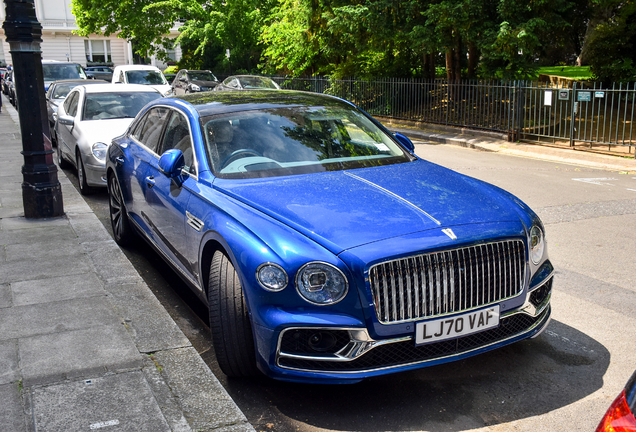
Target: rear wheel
(229, 320)
(122, 231)
(61, 162)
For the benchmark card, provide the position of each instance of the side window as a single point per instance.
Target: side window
(70, 104)
(177, 136)
(234, 83)
(148, 130)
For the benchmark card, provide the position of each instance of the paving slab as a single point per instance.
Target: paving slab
(44, 268)
(26, 236)
(9, 368)
(6, 297)
(111, 264)
(205, 403)
(150, 326)
(122, 402)
(53, 317)
(12, 418)
(95, 351)
(86, 228)
(56, 289)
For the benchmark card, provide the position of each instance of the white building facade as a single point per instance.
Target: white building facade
(59, 42)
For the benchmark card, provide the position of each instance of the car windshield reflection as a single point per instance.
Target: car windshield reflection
(116, 105)
(145, 77)
(294, 140)
(201, 76)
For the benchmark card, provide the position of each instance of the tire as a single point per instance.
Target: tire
(230, 324)
(61, 162)
(122, 231)
(85, 189)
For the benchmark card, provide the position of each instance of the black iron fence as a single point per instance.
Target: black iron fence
(576, 115)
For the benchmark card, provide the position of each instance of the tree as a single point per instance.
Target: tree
(611, 46)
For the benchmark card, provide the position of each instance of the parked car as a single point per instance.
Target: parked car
(11, 93)
(620, 415)
(54, 70)
(192, 81)
(55, 95)
(99, 72)
(246, 82)
(325, 249)
(90, 117)
(142, 74)
(5, 82)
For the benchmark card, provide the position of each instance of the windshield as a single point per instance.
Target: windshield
(146, 77)
(60, 71)
(258, 82)
(116, 105)
(296, 140)
(201, 76)
(61, 90)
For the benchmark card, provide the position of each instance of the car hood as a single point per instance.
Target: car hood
(103, 130)
(344, 209)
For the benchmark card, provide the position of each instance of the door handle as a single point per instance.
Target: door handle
(119, 160)
(150, 181)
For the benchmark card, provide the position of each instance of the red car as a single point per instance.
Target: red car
(620, 415)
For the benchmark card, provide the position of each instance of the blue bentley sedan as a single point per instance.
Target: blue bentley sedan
(325, 249)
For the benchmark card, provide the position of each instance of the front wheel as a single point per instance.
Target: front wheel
(230, 324)
(85, 189)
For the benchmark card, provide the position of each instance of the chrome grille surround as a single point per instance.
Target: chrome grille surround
(446, 282)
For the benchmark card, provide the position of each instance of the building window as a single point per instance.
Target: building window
(97, 51)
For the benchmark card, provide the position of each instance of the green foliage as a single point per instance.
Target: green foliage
(612, 48)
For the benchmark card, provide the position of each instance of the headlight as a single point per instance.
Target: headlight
(271, 277)
(195, 87)
(321, 283)
(537, 244)
(99, 150)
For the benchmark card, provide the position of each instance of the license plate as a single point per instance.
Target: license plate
(456, 326)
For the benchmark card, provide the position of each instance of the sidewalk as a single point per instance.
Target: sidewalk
(84, 343)
(498, 143)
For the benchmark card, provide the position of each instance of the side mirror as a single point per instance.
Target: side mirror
(66, 120)
(182, 79)
(171, 163)
(406, 142)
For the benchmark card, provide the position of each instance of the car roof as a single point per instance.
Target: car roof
(136, 67)
(212, 103)
(58, 62)
(118, 88)
(75, 80)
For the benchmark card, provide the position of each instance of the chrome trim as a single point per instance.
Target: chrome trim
(258, 279)
(530, 309)
(385, 342)
(299, 275)
(448, 282)
(196, 223)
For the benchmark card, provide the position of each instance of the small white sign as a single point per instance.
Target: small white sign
(547, 98)
(104, 424)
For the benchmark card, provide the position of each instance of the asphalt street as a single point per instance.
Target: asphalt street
(565, 379)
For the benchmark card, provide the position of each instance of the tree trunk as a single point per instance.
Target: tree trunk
(473, 58)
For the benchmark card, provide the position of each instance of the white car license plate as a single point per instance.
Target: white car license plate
(456, 326)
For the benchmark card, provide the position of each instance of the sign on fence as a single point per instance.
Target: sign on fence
(584, 96)
(599, 94)
(547, 98)
(564, 94)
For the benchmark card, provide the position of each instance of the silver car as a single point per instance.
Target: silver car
(90, 117)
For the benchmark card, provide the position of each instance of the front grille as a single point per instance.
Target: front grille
(439, 283)
(403, 353)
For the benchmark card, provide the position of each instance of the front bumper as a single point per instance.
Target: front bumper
(353, 355)
(95, 171)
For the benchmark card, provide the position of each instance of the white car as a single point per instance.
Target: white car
(88, 120)
(142, 74)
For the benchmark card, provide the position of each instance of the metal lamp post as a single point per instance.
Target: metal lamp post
(41, 190)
